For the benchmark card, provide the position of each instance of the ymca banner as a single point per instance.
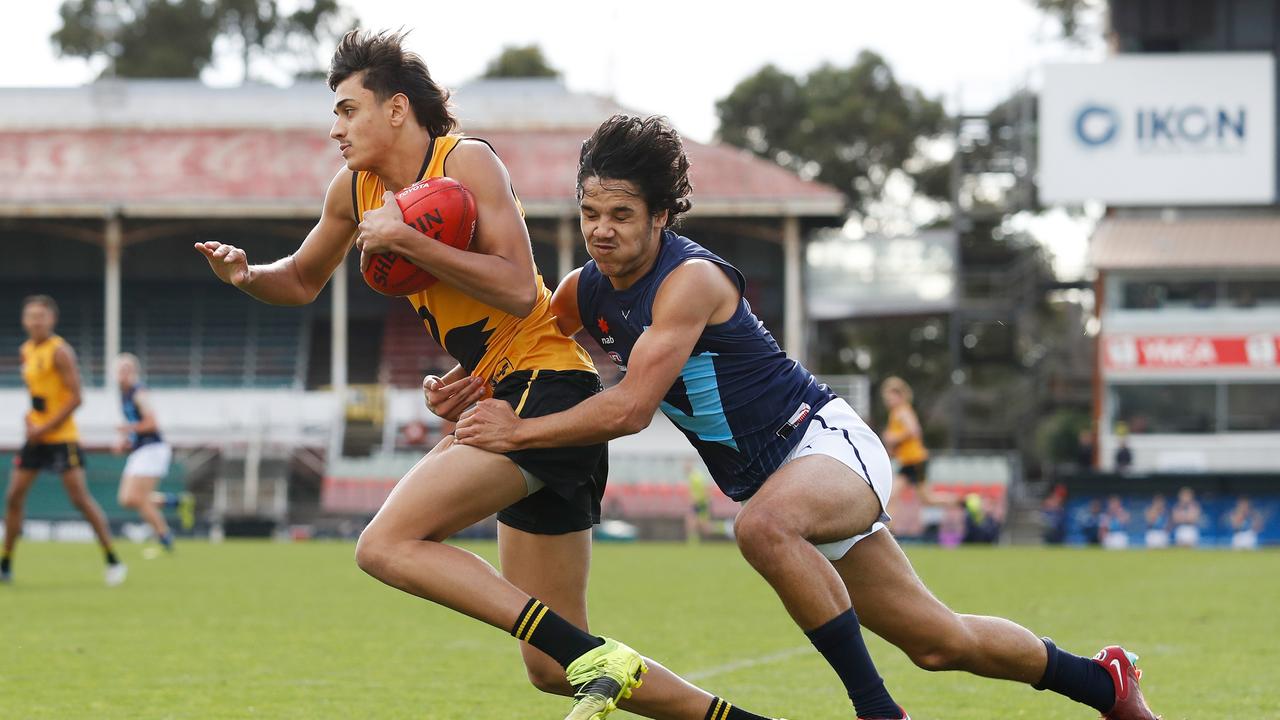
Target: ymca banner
(1191, 352)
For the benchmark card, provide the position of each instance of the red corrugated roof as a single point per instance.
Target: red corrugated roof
(285, 171)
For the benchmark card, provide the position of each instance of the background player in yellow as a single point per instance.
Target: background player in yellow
(904, 439)
(52, 442)
(492, 312)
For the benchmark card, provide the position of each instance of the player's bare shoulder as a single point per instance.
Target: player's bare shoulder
(474, 164)
(700, 283)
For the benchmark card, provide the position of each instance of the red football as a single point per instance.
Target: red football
(440, 208)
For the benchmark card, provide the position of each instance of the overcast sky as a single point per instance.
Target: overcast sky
(674, 58)
(671, 58)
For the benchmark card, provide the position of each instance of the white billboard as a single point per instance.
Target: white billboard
(1192, 129)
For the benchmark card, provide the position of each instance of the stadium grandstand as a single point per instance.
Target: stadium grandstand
(114, 181)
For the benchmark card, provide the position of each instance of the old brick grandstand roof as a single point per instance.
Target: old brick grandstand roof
(178, 148)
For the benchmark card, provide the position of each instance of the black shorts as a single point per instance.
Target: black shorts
(914, 473)
(54, 457)
(573, 477)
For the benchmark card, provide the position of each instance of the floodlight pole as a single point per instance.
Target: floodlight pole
(113, 237)
(793, 297)
(338, 360)
(564, 247)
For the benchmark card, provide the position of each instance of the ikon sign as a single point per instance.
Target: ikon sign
(1189, 352)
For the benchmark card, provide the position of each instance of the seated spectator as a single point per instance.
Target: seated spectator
(1053, 513)
(1157, 517)
(1084, 449)
(981, 522)
(1186, 517)
(1245, 523)
(1113, 528)
(1089, 520)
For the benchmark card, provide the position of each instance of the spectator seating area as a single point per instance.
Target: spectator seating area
(186, 334)
(1215, 526)
(48, 501)
(408, 350)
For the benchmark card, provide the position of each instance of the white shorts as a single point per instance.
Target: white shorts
(1116, 540)
(150, 461)
(837, 432)
(1186, 535)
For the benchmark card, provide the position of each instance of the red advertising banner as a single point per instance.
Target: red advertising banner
(1190, 352)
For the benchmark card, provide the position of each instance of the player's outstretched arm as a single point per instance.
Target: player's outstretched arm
(498, 269)
(685, 304)
(298, 278)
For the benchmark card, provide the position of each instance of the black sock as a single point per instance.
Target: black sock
(1079, 678)
(552, 634)
(722, 709)
(111, 557)
(840, 642)
(5, 564)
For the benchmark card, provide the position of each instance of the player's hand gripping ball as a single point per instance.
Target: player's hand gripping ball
(439, 208)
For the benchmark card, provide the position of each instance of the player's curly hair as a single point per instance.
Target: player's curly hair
(389, 69)
(645, 152)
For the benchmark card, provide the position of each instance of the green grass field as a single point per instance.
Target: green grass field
(266, 630)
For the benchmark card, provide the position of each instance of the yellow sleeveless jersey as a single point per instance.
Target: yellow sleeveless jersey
(910, 451)
(49, 393)
(487, 342)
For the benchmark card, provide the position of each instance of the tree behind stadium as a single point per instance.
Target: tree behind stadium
(175, 38)
(520, 62)
(850, 127)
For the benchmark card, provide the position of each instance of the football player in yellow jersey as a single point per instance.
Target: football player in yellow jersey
(494, 315)
(905, 442)
(52, 440)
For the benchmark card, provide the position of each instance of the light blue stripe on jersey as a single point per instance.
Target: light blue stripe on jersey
(708, 421)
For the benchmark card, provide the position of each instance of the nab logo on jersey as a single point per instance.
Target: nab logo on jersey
(605, 339)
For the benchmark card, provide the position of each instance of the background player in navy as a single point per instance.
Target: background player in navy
(149, 455)
(817, 479)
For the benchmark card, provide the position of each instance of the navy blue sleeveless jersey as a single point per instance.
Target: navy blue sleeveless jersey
(133, 415)
(740, 400)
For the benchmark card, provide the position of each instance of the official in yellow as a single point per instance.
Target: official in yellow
(493, 314)
(52, 442)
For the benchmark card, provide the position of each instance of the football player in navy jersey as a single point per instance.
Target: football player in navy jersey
(812, 478)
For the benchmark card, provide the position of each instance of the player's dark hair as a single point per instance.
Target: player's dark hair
(44, 300)
(389, 69)
(645, 152)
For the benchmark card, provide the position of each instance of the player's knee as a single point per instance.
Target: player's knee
(129, 500)
(372, 554)
(547, 676)
(945, 651)
(79, 498)
(760, 532)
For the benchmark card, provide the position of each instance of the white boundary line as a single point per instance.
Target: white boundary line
(779, 656)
